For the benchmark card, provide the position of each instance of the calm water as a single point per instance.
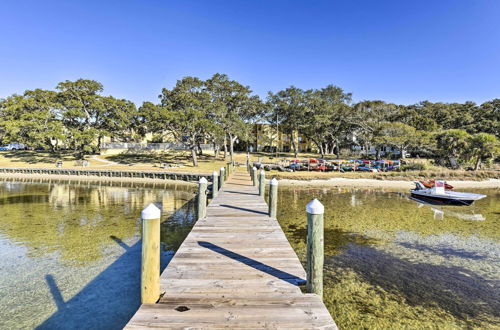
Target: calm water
(70, 257)
(393, 263)
(69, 253)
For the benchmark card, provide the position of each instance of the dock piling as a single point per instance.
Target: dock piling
(315, 247)
(202, 198)
(254, 176)
(150, 265)
(273, 197)
(262, 183)
(215, 184)
(222, 176)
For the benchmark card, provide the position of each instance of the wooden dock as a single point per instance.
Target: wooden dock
(235, 270)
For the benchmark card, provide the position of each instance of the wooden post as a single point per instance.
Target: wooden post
(273, 198)
(202, 198)
(248, 162)
(150, 267)
(215, 184)
(254, 176)
(262, 183)
(222, 176)
(315, 247)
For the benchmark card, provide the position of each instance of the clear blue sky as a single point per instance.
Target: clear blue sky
(398, 51)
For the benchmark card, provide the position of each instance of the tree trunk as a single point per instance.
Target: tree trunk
(294, 147)
(322, 150)
(367, 150)
(200, 151)
(231, 149)
(478, 163)
(216, 150)
(225, 147)
(52, 146)
(403, 153)
(337, 150)
(232, 139)
(193, 155)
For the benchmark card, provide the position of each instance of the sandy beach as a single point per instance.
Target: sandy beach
(394, 184)
(333, 182)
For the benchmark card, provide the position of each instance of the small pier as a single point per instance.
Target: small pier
(235, 270)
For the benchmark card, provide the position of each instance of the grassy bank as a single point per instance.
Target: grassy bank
(408, 175)
(177, 161)
(180, 161)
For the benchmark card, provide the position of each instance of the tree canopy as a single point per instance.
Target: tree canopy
(223, 112)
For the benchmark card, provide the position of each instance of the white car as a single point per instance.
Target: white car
(13, 146)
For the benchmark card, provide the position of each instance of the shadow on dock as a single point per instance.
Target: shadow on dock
(113, 296)
(243, 209)
(240, 192)
(287, 277)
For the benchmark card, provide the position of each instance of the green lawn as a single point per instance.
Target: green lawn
(151, 161)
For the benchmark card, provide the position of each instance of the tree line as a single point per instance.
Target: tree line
(222, 111)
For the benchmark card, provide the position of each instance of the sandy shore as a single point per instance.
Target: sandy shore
(333, 182)
(394, 184)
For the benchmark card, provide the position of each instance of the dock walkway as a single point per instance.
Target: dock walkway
(235, 270)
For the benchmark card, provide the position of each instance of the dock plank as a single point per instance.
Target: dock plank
(235, 270)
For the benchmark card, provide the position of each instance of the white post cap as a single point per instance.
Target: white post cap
(151, 212)
(273, 182)
(222, 168)
(215, 173)
(255, 168)
(262, 172)
(203, 180)
(315, 207)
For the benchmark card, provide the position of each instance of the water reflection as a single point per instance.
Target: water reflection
(394, 263)
(70, 254)
(467, 213)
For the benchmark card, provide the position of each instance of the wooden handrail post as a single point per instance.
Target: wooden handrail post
(150, 265)
(262, 183)
(202, 198)
(273, 198)
(248, 162)
(254, 176)
(215, 184)
(222, 176)
(315, 247)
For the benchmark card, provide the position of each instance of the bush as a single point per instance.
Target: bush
(413, 167)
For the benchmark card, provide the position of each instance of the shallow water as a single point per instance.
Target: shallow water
(391, 262)
(70, 257)
(70, 253)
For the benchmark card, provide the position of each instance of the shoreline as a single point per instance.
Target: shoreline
(375, 183)
(332, 182)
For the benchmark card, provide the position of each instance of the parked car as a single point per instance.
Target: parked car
(13, 146)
